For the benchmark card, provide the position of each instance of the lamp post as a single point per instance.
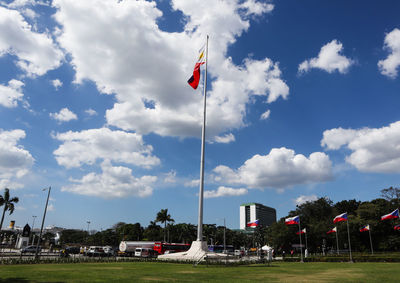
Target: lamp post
(88, 231)
(41, 228)
(33, 223)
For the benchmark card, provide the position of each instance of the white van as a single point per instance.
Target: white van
(145, 252)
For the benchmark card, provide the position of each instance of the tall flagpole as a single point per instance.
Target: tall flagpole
(203, 138)
(301, 247)
(370, 240)
(337, 241)
(348, 236)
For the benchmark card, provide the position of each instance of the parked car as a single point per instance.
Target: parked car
(30, 249)
(95, 251)
(108, 251)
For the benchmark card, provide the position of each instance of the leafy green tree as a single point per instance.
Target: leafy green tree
(153, 232)
(164, 217)
(392, 195)
(8, 204)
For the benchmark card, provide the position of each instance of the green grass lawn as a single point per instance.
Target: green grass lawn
(158, 272)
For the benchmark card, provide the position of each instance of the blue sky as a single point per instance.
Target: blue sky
(302, 103)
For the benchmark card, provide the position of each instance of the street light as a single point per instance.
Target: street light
(88, 223)
(224, 236)
(41, 228)
(33, 223)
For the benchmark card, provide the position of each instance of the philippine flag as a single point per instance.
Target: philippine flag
(340, 217)
(394, 214)
(253, 224)
(364, 228)
(292, 220)
(397, 227)
(302, 231)
(334, 230)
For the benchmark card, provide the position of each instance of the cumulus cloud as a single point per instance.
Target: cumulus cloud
(279, 169)
(146, 64)
(265, 115)
(57, 83)
(329, 59)
(36, 53)
(113, 182)
(303, 199)
(373, 149)
(88, 146)
(64, 115)
(15, 161)
(11, 94)
(225, 192)
(388, 67)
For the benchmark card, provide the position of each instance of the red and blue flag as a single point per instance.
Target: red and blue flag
(292, 220)
(334, 230)
(340, 217)
(364, 228)
(394, 214)
(253, 224)
(397, 227)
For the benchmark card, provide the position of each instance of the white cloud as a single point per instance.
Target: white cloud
(225, 192)
(373, 149)
(265, 115)
(280, 169)
(64, 115)
(113, 182)
(90, 112)
(228, 138)
(388, 67)
(145, 64)
(192, 183)
(15, 161)
(36, 52)
(57, 83)
(11, 94)
(170, 177)
(303, 199)
(87, 146)
(329, 59)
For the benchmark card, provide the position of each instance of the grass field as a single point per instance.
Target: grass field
(167, 272)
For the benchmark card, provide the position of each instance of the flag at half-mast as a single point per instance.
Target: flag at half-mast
(394, 214)
(303, 231)
(334, 230)
(364, 228)
(292, 220)
(195, 78)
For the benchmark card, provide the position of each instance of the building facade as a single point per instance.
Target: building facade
(250, 212)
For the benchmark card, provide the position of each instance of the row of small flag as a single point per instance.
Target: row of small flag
(343, 217)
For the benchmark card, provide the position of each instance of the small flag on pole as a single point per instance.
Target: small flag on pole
(253, 224)
(364, 228)
(397, 227)
(292, 220)
(394, 214)
(334, 230)
(340, 217)
(195, 78)
(303, 231)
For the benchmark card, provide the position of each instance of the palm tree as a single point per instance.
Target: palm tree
(164, 217)
(8, 204)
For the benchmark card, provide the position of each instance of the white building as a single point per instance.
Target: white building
(250, 212)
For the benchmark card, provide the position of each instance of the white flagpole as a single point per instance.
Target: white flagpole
(370, 240)
(203, 138)
(337, 241)
(348, 236)
(301, 247)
